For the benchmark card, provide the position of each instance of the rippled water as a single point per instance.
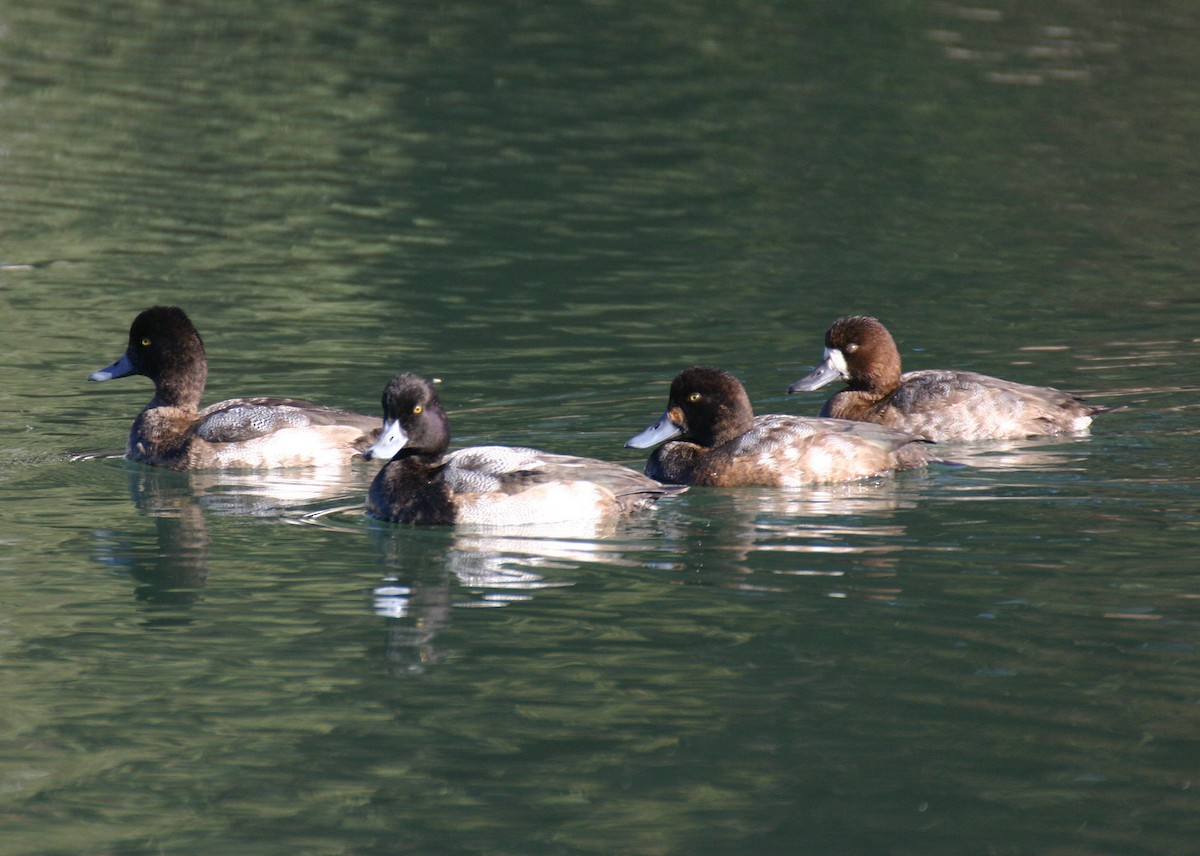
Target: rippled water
(554, 209)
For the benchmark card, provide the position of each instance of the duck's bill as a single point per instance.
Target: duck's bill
(833, 368)
(120, 368)
(391, 440)
(661, 431)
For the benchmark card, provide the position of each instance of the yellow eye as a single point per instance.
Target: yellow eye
(695, 396)
(145, 343)
(418, 409)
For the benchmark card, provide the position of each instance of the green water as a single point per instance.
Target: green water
(554, 208)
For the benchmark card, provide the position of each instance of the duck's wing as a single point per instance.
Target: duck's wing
(241, 419)
(490, 469)
(775, 431)
(631, 488)
(801, 450)
(966, 403)
(503, 469)
(510, 470)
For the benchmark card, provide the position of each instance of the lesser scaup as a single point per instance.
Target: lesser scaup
(487, 485)
(940, 405)
(171, 431)
(711, 436)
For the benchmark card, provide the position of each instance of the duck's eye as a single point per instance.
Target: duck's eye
(852, 347)
(418, 410)
(145, 343)
(694, 397)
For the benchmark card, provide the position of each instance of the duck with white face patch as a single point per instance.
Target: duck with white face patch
(424, 483)
(936, 404)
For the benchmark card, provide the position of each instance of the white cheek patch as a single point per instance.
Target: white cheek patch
(835, 358)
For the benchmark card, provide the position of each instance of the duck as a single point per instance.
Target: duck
(424, 483)
(710, 436)
(941, 405)
(241, 433)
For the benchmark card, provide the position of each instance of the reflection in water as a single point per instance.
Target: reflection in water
(825, 518)
(1062, 454)
(176, 567)
(270, 493)
(767, 540)
(416, 614)
(858, 538)
(490, 567)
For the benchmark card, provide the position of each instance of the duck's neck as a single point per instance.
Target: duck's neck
(852, 404)
(411, 489)
(882, 378)
(731, 422)
(181, 387)
(674, 462)
(875, 385)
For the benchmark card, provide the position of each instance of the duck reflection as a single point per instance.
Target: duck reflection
(1038, 453)
(432, 571)
(414, 596)
(760, 517)
(832, 539)
(172, 566)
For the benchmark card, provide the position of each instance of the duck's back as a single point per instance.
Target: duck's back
(272, 432)
(240, 419)
(504, 484)
(944, 405)
(791, 451)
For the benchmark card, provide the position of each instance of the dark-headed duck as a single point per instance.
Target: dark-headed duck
(939, 405)
(172, 431)
(711, 436)
(487, 485)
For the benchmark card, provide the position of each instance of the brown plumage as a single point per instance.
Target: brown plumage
(939, 405)
(172, 431)
(713, 438)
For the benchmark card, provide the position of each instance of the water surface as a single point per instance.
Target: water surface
(554, 210)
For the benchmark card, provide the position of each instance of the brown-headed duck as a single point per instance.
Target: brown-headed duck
(487, 485)
(172, 431)
(939, 405)
(711, 436)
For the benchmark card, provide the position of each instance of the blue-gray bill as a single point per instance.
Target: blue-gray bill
(832, 368)
(120, 368)
(661, 431)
